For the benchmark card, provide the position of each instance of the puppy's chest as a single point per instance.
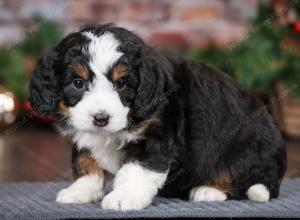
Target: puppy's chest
(106, 150)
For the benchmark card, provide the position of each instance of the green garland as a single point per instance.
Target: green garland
(12, 57)
(260, 60)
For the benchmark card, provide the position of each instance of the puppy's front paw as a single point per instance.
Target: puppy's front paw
(133, 200)
(79, 195)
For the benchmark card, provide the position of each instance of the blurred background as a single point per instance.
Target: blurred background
(256, 42)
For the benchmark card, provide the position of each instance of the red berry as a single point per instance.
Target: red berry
(297, 27)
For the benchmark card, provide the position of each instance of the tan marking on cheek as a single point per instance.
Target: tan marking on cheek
(84, 165)
(81, 71)
(64, 108)
(131, 110)
(146, 123)
(142, 127)
(118, 72)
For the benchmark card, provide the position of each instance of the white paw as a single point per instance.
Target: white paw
(83, 190)
(258, 193)
(118, 200)
(206, 193)
(78, 195)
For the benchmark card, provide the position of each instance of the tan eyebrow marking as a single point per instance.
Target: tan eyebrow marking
(82, 71)
(118, 72)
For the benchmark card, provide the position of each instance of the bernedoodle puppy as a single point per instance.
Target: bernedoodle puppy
(161, 124)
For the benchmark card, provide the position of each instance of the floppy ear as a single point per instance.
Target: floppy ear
(155, 82)
(44, 89)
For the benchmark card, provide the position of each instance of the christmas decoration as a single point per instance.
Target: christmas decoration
(8, 107)
(267, 61)
(15, 60)
(297, 27)
(16, 66)
(269, 53)
(31, 114)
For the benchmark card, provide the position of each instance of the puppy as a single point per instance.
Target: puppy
(162, 125)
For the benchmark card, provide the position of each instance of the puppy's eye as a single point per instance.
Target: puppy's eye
(120, 84)
(78, 83)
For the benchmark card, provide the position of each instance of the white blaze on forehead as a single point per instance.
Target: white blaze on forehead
(103, 52)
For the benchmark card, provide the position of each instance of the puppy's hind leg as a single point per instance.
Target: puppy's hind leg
(214, 190)
(258, 193)
(207, 193)
(88, 186)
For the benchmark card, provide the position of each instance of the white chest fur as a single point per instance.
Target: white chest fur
(105, 149)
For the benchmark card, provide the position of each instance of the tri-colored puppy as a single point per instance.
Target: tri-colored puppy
(161, 124)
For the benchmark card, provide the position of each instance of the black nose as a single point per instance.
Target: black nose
(101, 119)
